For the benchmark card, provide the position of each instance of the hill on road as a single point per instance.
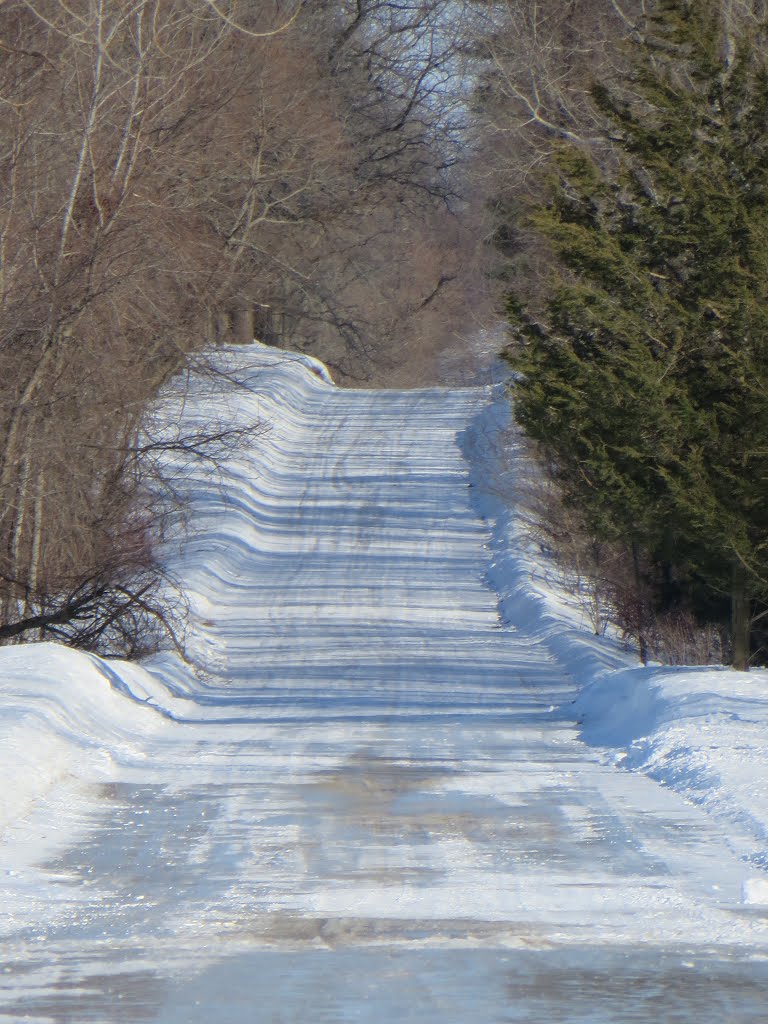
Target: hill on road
(378, 800)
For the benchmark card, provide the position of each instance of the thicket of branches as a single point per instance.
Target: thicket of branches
(179, 172)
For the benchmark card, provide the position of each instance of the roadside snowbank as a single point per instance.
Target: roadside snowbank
(66, 718)
(700, 731)
(69, 720)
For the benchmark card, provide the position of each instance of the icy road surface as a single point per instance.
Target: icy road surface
(371, 808)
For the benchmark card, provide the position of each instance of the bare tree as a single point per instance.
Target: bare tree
(398, 75)
(183, 171)
(103, 283)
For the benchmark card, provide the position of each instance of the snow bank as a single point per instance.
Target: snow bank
(703, 732)
(700, 731)
(65, 716)
(68, 719)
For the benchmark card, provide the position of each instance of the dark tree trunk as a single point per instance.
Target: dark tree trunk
(741, 620)
(242, 325)
(642, 639)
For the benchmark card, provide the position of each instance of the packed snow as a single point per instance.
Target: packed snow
(396, 740)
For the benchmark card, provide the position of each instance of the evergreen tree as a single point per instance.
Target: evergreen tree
(645, 372)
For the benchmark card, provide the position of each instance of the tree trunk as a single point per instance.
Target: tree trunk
(741, 620)
(642, 639)
(242, 325)
(223, 328)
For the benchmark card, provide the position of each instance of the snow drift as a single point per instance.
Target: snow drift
(700, 731)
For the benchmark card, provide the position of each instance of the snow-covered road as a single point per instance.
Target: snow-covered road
(372, 807)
